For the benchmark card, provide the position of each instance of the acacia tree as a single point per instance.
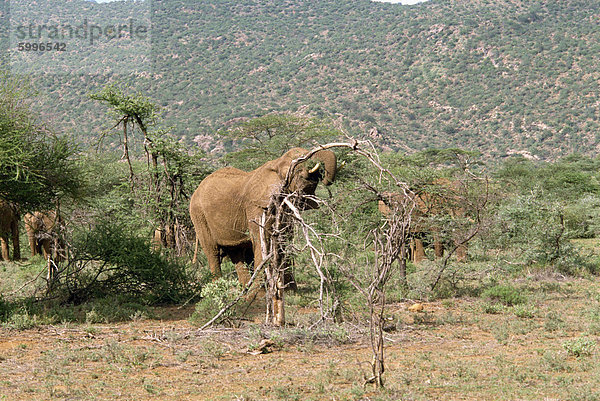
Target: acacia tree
(37, 166)
(168, 165)
(268, 137)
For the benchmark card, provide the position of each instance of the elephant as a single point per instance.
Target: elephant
(9, 230)
(163, 237)
(228, 204)
(429, 205)
(43, 234)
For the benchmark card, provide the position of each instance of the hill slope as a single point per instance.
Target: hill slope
(490, 75)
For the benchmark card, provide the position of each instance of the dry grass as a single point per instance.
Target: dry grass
(455, 350)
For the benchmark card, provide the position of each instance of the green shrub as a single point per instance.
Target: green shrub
(110, 261)
(508, 295)
(22, 320)
(539, 230)
(553, 322)
(5, 309)
(215, 296)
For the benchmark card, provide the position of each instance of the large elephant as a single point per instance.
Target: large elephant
(228, 204)
(9, 230)
(43, 234)
(430, 204)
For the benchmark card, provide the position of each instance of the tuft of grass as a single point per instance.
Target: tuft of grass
(213, 349)
(555, 362)
(492, 308)
(524, 311)
(553, 322)
(506, 294)
(580, 347)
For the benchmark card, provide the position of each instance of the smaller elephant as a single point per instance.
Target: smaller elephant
(9, 230)
(416, 248)
(43, 234)
(428, 206)
(165, 236)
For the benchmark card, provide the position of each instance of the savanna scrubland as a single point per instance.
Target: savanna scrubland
(120, 313)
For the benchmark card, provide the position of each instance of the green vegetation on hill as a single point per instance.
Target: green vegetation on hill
(489, 75)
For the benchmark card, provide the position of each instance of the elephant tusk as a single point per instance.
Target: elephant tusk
(315, 168)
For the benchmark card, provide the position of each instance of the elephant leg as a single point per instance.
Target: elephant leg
(15, 240)
(207, 243)
(46, 251)
(243, 273)
(419, 251)
(32, 242)
(214, 259)
(461, 252)
(213, 255)
(4, 246)
(438, 246)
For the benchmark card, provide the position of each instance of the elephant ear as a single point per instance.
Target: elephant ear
(282, 164)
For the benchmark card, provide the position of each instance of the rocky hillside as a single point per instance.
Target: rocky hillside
(499, 76)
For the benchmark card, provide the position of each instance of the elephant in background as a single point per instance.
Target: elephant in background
(43, 234)
(9, 230)
(228, 204)
(441, 201)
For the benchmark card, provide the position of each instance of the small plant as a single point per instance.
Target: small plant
(506, 294)
(339, 334)
(492, 308)
(151, 389)
(555, 362)
(93, 317)
(215, 296)
(183, 356)
(580, 347)
(213, 349)
(448, 303)
(424, 319)
(278, 341)
(22, 320)
(524, 311)
(553, 322)
(501, 333)
(138, 316)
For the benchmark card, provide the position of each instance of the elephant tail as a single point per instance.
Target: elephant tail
(195, 259)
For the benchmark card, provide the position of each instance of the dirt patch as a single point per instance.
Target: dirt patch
(449, 351)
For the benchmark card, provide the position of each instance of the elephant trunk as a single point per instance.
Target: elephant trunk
(328, 159)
